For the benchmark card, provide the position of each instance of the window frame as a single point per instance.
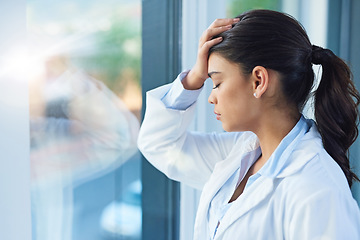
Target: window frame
(161, 62)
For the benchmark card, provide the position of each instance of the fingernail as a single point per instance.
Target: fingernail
(236, 19)
(228, 26)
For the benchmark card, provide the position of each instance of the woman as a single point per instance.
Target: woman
(273, 174)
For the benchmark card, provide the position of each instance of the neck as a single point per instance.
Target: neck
(272, 129)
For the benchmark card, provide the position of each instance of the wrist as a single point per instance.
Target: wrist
(192, 81)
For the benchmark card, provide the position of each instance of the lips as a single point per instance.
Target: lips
(217, 115)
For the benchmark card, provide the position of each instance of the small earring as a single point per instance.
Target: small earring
(255, 94)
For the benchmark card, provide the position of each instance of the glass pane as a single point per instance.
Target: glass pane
(236, 7)
(85, 102)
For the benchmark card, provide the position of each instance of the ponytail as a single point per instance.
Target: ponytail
(336, 112)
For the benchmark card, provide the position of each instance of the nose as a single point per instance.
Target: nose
(212, 99)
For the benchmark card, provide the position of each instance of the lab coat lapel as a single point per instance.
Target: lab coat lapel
(221, 173)
(217, 179)
(248, 200)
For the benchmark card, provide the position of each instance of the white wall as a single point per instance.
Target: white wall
(15, 217)
(313, 16)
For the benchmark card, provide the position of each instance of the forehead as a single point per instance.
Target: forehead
(217, 63)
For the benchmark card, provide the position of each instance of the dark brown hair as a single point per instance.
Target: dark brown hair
(277, 41)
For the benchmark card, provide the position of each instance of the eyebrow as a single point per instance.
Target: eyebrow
(212, 73)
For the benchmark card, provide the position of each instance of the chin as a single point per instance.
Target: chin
(232, 128)
(228, 128)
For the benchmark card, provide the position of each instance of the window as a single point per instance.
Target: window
(85, 103)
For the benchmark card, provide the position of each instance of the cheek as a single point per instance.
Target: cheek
(239, 101)
(241, 112)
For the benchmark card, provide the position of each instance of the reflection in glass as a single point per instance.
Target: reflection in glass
(84, 119)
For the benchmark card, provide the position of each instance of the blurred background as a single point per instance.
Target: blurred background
(85, 102)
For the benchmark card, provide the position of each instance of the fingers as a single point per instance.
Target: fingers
(223, 22)
(211, 32)
(199, 73)
(207, 45)
(217, 27)
(202, 61)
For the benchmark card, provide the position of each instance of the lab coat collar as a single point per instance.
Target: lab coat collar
(279, 165)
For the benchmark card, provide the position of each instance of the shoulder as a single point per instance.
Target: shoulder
(317, 169)
(314, 195)
(315, 173)
(319, 173)
(319, 189)
(318, 196)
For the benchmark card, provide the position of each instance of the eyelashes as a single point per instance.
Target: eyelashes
(216, 86)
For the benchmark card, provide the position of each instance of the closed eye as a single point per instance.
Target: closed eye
(216, 86)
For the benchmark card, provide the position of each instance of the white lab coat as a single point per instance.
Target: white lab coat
(305, 196)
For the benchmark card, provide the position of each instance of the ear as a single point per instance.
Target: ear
(260, 80)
